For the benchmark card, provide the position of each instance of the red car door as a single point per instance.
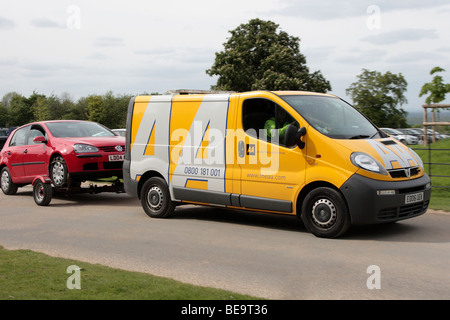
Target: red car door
(35, 157)
(14, 153)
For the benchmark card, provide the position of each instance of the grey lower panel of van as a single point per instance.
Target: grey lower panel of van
(231, 199)
(204, 196)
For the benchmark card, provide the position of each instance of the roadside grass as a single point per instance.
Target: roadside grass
(29, 275)
(439, 196)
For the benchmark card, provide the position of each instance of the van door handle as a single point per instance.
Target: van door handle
(25, 151)
(8, 153)
(241, 149)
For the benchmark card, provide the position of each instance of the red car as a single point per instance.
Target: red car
(67, 151)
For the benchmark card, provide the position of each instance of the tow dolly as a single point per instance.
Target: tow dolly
(43, 189)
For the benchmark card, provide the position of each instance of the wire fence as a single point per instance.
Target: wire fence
(435, 137)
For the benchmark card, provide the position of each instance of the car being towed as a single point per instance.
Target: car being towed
(67, 151)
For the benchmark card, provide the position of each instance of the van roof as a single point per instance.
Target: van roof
(309, 93)
(208, 92)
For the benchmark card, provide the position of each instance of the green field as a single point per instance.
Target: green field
(28, 275)
(440, 197)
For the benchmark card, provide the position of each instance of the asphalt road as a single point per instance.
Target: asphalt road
(262, 255)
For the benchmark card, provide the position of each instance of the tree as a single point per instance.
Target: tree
(21, 108)
(78, 110)
(380, 96)
(41, 110)
(259, 57)
(3, 115)
(437, 88)
(95, 110)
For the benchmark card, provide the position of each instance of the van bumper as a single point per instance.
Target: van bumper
(130, 185)
(366, 206)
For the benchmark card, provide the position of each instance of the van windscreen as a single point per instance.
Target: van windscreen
(332, 117)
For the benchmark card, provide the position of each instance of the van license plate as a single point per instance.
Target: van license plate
(116, 157)
(415, 197)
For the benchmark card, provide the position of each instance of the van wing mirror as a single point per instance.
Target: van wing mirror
(300, 133)
(294, 137)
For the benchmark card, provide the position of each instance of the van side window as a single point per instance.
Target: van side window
(266, 120)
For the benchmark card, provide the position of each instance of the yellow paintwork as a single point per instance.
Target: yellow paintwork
(140, 105)
(197, 184)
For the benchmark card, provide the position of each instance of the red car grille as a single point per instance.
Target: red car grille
(110, 148)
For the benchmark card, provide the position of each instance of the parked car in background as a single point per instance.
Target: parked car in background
(440, 135)
(400, 136)
(69, 152)
(120, 132)
(430, 134)
(3, 136)
(10, 130)
(414, 132)
(444, 135)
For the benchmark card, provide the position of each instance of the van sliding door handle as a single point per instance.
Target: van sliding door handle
(241, 149)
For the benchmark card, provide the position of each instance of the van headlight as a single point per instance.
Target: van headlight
(84, 148)
(366, 162)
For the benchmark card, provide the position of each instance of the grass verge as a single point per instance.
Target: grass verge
(28, 275)
(439, 196)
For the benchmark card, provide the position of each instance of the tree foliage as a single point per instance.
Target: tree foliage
(380, 96)
(107, 109)
(437, 88)
(259, 57)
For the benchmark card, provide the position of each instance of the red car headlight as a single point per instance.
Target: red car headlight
(84, 148)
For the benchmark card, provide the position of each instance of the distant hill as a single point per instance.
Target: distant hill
(416, 117)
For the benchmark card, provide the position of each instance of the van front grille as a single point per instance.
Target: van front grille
(404, 173)
(403, 212)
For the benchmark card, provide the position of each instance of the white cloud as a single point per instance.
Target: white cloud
(98, 56)
(147, 46)
(332, 9)
(6, 23)
(392, 37)
(109, 42)
(415, 57)
(45, 23)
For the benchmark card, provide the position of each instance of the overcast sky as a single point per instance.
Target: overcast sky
(131, 47)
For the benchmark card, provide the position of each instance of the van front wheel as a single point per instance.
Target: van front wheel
(325, 213)
(155, 198)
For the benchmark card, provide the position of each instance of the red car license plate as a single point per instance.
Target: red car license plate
(116, 157)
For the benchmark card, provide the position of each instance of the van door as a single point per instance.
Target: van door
(271, 173)
(197, 151)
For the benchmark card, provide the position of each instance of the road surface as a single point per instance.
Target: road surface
(263, 255)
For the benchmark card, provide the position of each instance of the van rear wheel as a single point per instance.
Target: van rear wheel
(325, 213)
(155, 198)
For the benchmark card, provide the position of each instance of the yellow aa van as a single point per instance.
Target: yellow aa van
(288, 152)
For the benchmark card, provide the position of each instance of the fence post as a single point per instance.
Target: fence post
(425, 120)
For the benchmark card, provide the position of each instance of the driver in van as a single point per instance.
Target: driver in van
(278, 123)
